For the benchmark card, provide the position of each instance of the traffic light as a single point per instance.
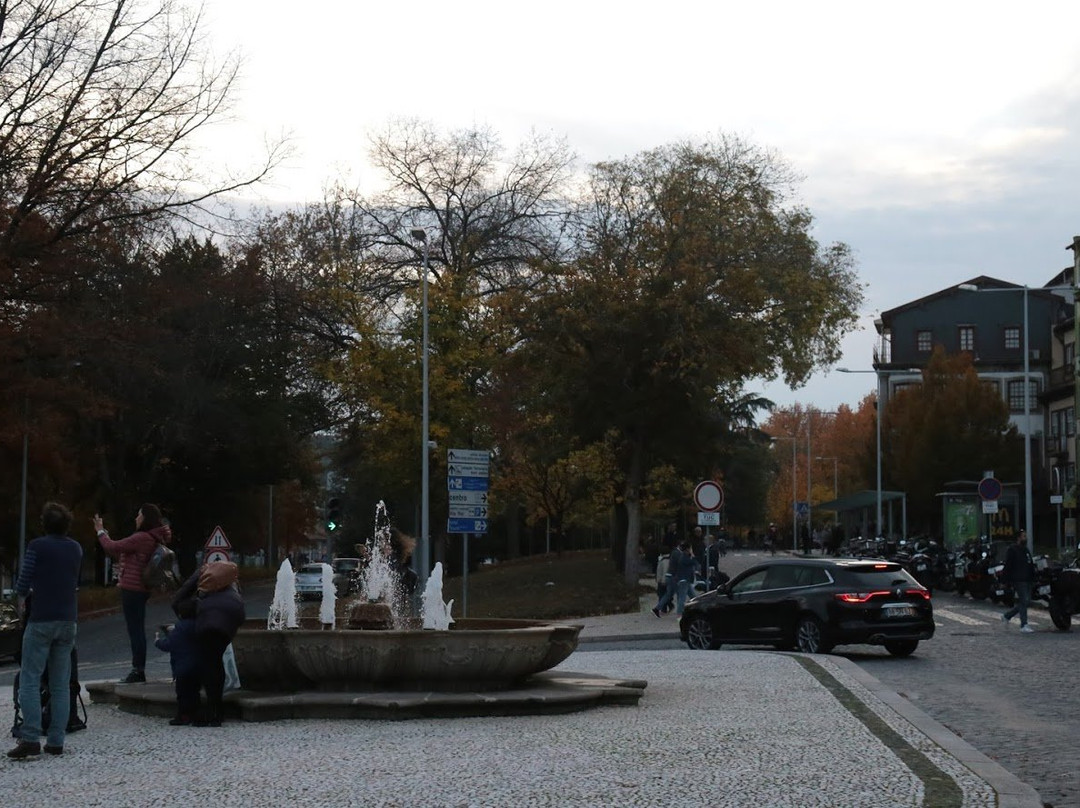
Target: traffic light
(333, 514)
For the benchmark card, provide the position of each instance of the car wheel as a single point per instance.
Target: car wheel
(700, 635)
(810, 636)
(902, 648)
(1060, 615)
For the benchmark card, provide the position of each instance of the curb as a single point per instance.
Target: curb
(1011, 791)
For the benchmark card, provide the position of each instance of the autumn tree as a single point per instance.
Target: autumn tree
(693, 274)
(953, 426)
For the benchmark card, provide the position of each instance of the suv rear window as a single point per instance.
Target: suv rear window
(872, 577)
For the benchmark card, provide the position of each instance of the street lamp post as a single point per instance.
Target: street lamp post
(424, 548)
(835, 475)
(794, 494)
(970, 287)
(880, 404)
(25, 469)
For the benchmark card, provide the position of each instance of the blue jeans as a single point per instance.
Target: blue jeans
(1022, 590)
(47, 643)
(134, 608)
(675, 589)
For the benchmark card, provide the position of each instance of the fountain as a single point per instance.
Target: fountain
(362, 657)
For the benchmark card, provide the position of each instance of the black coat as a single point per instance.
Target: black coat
(1019, 567)
(222, 611)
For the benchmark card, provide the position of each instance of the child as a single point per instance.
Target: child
(184, 660)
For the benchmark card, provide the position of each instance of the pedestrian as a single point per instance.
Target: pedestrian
(219, 613)
(50, 570)
(179, 643)
(1020, 573)
(681, 568)
(134, 552)
(804, 536)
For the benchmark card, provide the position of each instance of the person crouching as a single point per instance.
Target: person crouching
(179, 643)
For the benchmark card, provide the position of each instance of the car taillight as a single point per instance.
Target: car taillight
(858, 597)
(924, 593)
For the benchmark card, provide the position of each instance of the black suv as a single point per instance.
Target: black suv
(812, 605)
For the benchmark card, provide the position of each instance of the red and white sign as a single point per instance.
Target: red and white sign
(709, 496)
(217, 547)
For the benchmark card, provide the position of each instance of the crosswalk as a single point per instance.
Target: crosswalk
(967, 620)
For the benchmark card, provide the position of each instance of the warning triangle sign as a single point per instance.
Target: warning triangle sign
(217, 539)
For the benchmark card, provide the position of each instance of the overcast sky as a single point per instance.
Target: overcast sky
(940, 140)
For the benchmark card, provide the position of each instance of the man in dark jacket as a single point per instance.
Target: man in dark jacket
(50, 570)
(1020, 572)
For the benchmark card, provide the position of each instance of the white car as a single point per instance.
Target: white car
(309, 581)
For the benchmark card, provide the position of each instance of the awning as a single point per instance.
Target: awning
(857, 501)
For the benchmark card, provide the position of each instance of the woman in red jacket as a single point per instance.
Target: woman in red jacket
(134, 552)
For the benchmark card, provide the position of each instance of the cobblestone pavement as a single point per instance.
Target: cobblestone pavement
(1012, 696)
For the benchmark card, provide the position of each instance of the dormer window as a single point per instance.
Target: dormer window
(1012, 338)
(924, 341)
(967, 337)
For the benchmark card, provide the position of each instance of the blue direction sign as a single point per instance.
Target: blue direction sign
(466, 525)
(467, 498)
(467, 483)
(466, 470)
(467, 456)
(468, 511)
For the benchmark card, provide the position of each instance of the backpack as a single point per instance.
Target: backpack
(159, 574)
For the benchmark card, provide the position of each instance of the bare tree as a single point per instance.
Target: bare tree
(489, 215)
(99, 100)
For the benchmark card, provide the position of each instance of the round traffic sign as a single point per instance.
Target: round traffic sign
(989, 489)
(708, 496)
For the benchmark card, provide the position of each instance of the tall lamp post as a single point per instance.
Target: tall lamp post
(881, 374)
(419, 234)
(794, 494)
(970, 287)
(835, 475)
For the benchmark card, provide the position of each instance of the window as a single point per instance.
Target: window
(924, 342)
(967, 338)
(751, 583)
(1012, 338)
(1070, 421)
(1016, 394)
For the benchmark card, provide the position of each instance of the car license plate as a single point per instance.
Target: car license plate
(898, 610)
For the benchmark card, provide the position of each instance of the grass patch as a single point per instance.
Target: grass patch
(546, 587)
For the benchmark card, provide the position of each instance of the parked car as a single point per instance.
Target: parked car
(346, 576)
(309, 581)
(813, 605)
(10, 630)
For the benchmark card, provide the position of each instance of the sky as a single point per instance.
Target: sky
(939, 140)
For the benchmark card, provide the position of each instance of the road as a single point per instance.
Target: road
(1012, 696)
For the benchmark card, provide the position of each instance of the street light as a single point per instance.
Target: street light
(835, 488)
(424, 545)
(794, 495)
(880, 411)
(970, 287)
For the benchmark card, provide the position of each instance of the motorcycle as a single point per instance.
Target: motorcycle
(1059, 586)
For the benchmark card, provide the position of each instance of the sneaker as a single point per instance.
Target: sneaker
(1005, 618)
(181, 721)
(53, 750)
(656, 611)
(1027, 630)
(133, 678)
(25, 750)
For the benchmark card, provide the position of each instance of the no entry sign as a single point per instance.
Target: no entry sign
(708, 496)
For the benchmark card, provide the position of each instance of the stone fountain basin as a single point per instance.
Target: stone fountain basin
(475, 654)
